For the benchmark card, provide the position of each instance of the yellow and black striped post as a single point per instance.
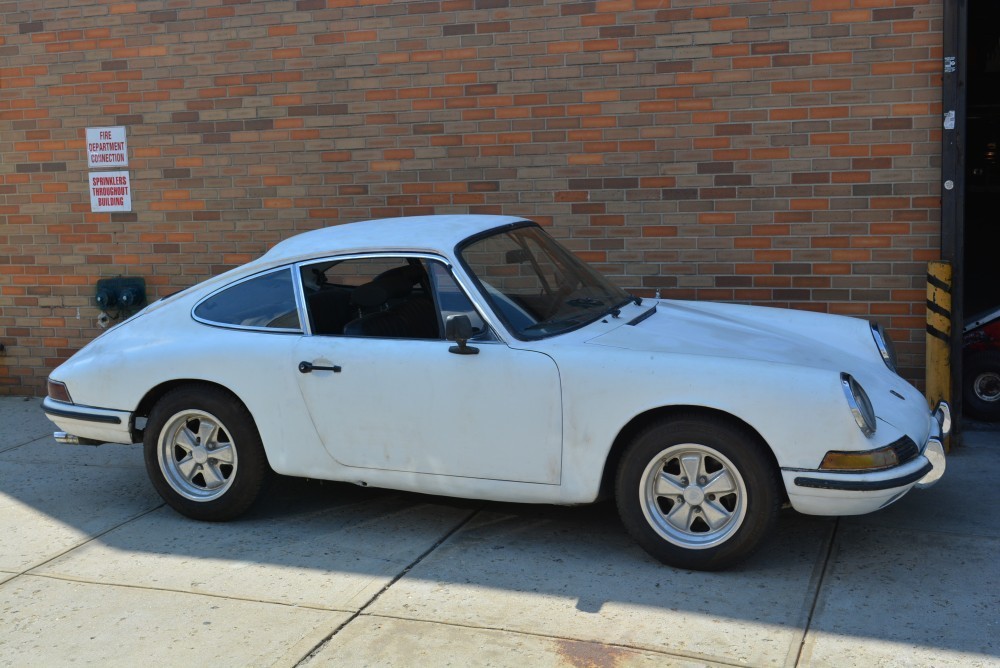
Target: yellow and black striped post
(939, 335)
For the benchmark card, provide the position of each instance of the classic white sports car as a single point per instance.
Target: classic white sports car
(474, 356)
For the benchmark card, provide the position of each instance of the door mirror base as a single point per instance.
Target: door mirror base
(458, 328)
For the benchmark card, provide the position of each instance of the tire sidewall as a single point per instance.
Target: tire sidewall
(250, 472)
(975, 365)
(744, 452)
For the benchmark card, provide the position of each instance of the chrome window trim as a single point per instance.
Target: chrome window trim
(512, 333)
(460, 281)
(250, 328)
(300, 299)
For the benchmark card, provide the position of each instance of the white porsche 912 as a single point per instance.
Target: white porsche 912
(474, 356)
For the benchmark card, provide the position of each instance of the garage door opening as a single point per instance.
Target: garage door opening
(982, 160)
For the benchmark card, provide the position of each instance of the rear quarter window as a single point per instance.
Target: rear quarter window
(266, 302)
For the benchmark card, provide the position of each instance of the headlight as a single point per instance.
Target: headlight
(885, 346)
(860, 404)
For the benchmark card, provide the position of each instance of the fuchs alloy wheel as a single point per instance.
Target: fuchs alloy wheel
(981, 377)
(698, 492)
(203, 453)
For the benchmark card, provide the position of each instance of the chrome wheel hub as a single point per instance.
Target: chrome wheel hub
(693, 496)
(196, 455)
(987, 386)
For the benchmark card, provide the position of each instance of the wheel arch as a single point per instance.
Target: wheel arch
(229, 492)
(642, 420)
(156, 393)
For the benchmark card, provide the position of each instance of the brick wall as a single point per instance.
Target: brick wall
(780, 152)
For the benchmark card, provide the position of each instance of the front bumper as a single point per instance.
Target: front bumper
(89, 423)
(836, 493)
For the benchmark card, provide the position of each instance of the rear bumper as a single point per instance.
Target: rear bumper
(837, 493)
(90, 423)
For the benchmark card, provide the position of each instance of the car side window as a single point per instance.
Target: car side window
(452, 300)
(386, 297)
(266, 301)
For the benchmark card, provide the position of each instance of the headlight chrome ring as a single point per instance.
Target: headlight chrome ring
(885, 346)
(859, 403)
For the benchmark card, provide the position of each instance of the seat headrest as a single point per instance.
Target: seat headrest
(369, 295)
(399, 281)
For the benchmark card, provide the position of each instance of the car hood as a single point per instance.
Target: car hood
(745, 332)
(828, 343)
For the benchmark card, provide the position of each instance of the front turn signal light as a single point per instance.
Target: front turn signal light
(868, 460)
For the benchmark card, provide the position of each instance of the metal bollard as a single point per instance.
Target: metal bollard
(938, 351)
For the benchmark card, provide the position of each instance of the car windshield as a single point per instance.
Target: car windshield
(536, 286)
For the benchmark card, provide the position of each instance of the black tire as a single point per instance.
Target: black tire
(713, 521)
(203, 453)
(981, 385)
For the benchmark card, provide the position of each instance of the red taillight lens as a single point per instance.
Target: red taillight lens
(58, 391)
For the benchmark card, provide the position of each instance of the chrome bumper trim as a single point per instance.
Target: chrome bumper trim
(942, 413)
(866, 485)
(84, 413)
(934, 452)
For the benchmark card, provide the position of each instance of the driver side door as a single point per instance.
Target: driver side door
(385, 391)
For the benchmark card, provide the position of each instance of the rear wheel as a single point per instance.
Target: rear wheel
(203, 453)
(698, 492)
(981, 376)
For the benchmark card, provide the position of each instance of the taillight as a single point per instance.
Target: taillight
(58, 391)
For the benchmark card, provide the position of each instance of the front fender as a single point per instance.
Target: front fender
(800, 412)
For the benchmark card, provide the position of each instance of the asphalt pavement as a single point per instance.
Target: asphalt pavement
(96, 570)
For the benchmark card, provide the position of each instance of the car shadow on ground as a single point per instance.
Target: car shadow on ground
(336, 546)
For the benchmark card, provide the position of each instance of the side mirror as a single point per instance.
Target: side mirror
(458, 328)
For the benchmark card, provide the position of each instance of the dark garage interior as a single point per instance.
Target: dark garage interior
(982, 167)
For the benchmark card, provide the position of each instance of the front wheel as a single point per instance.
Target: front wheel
(203, 453)
(698, 493)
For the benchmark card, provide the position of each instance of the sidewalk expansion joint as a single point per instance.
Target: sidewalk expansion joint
(426, 553)
(27, 571)
(824, 570)
(11, 448)
(179, 592)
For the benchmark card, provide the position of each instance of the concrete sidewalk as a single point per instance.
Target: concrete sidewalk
(95, 570)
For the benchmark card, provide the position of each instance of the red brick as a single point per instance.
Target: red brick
(362, 113)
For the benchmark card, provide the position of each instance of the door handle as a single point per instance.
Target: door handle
(309, 367)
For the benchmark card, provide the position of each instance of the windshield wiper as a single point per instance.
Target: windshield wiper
(616, 310)
(568, 322)
(585, 302)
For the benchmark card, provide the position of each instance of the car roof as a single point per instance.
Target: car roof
(438, 234)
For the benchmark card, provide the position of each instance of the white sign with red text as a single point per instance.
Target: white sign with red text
(110, 191)
(107, 147)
